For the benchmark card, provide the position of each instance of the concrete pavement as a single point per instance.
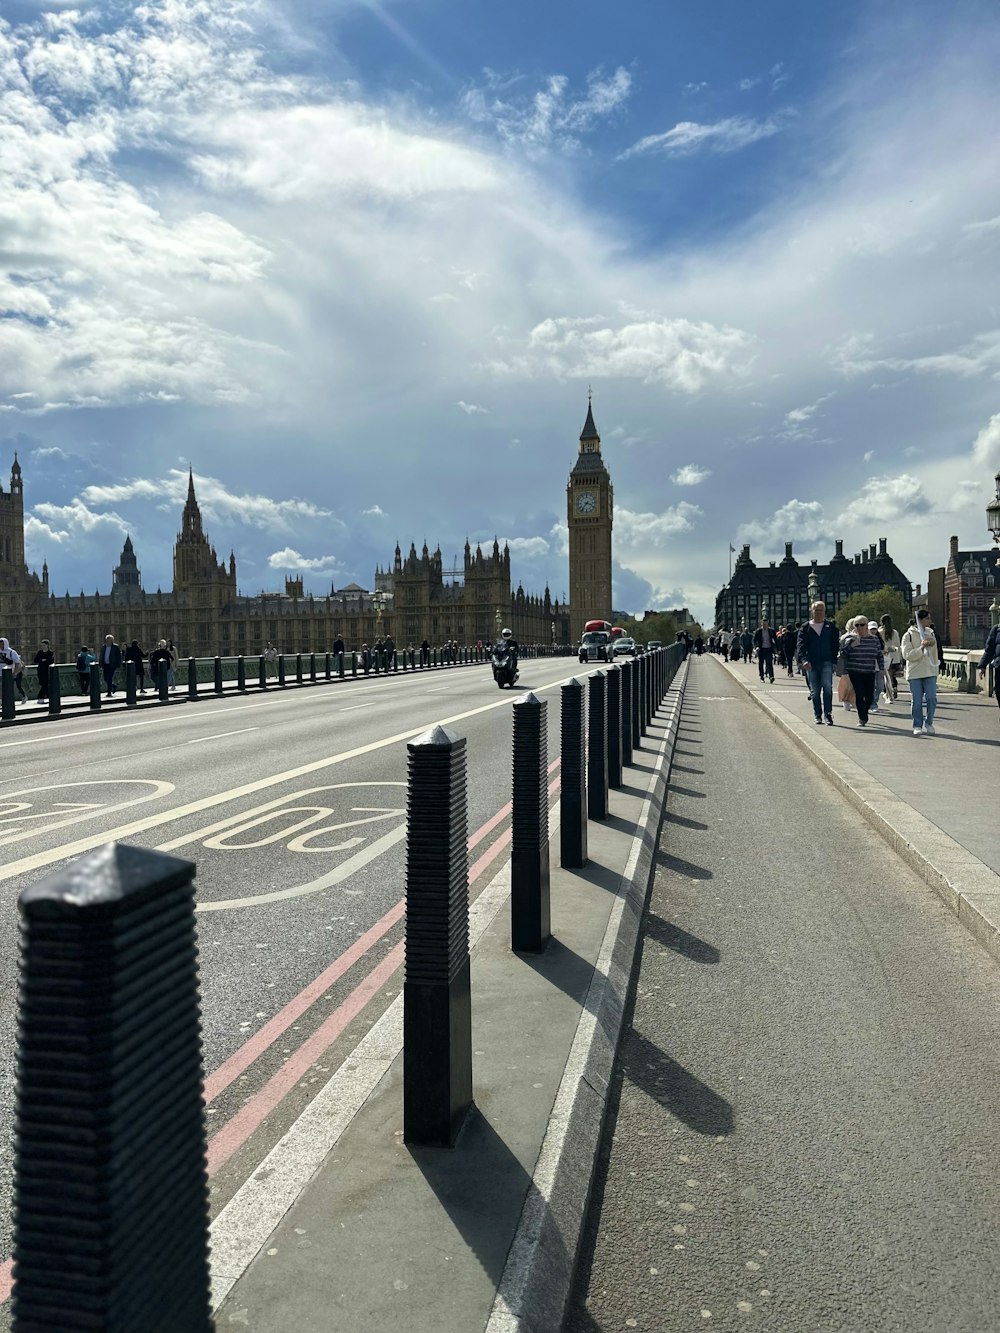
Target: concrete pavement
(804, 1119)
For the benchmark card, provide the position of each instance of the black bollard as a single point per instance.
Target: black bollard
(298, 668)
(129, 684)
(328, 667)
(530, 913)
(217, 672)
(192, 678)
(437, 1010)
(375, 662)
(8, 710)
(573, 784)
(241, 674)
(597, 747)
(636, 742)
(354, 663)
(262, 672)
(162, 688)
(55, 690)
(281, 670)
(643, 696)
(95, 687)
(613, 683)
(312, 668)
(110, 1216)
(340, 666)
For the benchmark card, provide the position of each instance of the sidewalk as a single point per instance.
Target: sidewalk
(345, 1228)
(803, 1131)
(932, 798)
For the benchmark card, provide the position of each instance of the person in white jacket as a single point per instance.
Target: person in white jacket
(919, 649)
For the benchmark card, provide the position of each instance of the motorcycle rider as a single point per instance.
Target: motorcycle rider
(508, 642)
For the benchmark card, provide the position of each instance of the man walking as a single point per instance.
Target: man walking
(111, 660)
(746, 645)
(133, 653)
(991, 653)
(43, 660)
(763, 641)
(817, 649)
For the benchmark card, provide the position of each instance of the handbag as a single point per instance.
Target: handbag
(841, 664)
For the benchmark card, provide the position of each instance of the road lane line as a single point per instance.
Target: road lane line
(30, 863)
(198, 740)
(370, 703)
(122, 726)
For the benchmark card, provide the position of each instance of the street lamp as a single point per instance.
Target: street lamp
(993, 513)
(499, 624)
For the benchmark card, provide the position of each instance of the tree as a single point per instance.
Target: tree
(884, 601)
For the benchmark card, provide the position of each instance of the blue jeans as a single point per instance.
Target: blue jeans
(821, 678)
(923, 690)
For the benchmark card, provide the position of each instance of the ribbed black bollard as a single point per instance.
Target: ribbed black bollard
(354, 664)
(613, 684)
(312, 668)
(162, 689)
(375, 662)
(217, 674)
(55, 690)
(340, 666)
(573, 784)
(281, 670)
(192, 678)
(129, 684)
(298, 668)
(597, 748)
(8, 711)
(241, 674)
(262, 672)
(636, 685)
(643, 695)
(110, 1176)
(437, 1009)
(328, 667)
(530, 912)
(648, 666)
(95, 687)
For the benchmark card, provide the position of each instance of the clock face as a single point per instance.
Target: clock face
(586, 502)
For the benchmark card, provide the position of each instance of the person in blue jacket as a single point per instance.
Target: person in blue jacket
(817, 649)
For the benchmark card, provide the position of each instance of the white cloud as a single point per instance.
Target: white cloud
(472, 409)
(795, 521)
(639, 531)
(690, 475)
(550, 117)
(289, 559)
(885, 500)
(747, 84)
(528, 547)
(868, 455)
(678, 353)
(691, 89)
(799, 415)
(986, 446)
(724, 136)
(376, 511)
(215, 500)
(978, 356)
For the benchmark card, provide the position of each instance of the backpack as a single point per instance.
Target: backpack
(82, 663)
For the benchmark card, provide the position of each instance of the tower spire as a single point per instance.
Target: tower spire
(589, 436)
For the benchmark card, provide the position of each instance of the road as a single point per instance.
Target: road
(292, 806)
(804, 1118)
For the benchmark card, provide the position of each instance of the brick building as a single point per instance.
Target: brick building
(971, 583)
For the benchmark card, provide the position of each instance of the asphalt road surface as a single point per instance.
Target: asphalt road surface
(292, 806)
(804, 1125)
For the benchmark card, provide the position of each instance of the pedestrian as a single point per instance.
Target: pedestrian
(133, 653)
(43, 660)
(111, 660)
(159, 656)
(880, 677)
(85, 659)
(10, 660)
(338, 647)
(991, 653)
(389, 648)
(171, 684)
(862, 653)
(817, 649)
(425, 653)
(893, 655)
(746, 645)
(763, 641)
(699, 645)
(271, 659)
(920, 653)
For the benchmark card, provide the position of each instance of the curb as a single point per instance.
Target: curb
(535, 1285)
(968, 886)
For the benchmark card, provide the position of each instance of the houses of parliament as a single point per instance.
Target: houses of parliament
(205, 615)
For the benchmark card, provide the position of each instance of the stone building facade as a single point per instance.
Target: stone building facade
(205, 615)
(971, 585)
(781, 589)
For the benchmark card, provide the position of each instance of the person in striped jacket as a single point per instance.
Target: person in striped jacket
(863, 657)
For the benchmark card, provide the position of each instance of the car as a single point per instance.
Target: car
(654, 644)
(624, 647)
(595, 646)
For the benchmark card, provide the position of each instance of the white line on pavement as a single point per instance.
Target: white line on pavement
(354, 707)
(220, 734)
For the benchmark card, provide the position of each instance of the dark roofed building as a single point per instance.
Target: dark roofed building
(781, 589)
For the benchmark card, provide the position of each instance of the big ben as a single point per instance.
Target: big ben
(589, 516)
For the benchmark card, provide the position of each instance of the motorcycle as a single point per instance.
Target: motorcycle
(504, 666)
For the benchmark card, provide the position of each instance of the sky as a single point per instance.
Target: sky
(358, 262)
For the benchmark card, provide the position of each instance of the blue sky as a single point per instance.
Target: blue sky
(358, 262)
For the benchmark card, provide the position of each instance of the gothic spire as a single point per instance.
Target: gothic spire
(589, 431)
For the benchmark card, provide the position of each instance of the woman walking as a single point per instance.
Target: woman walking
(920, 653)
(863, 658)
(893, 656)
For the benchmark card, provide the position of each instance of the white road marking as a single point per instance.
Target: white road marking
(354, 707)
(160, 789)
(30, 863)
(220, 734)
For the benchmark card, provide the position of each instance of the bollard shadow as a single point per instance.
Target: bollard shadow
(678, 790)
(676, 1089)
(481, 1186)
(684, 768)
(689, 754)
(562, 967)
(667, 861)
(684, 821)
(678, 940)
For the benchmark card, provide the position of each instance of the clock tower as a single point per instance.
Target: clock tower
(589, 516)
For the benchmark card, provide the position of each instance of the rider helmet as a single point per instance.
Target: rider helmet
(507, 634)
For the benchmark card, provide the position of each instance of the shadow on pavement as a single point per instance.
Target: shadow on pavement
(674, 937)
(676, 1089)
(683, 820)
(681, 867)
(686, 791)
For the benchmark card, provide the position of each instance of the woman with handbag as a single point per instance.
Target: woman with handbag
(845, 690)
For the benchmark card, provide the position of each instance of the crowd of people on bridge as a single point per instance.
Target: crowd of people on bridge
(867, 656)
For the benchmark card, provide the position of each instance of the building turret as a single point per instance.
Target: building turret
(125, 575)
